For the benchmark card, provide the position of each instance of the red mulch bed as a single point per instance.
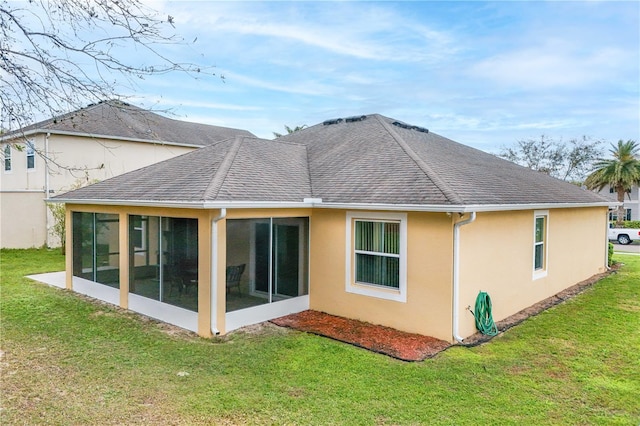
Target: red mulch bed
(409, 346)
(377, 338)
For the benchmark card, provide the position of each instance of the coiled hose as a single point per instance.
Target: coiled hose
(482, 314)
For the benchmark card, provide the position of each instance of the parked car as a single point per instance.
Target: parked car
(624, 235)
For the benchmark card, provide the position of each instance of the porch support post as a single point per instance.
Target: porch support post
(215, 254)
(124, 260)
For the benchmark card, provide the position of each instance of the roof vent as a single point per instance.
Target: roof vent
(410, 127)
(332, 121)
(401, 124)
(355, 118)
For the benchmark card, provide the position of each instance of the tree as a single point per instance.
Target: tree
(58, 212)
(620, 172)
(58, 56)
(290, 130)
(570, 160)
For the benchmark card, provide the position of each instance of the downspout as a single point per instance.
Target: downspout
(456, 272)
(47, 223)
(607, 242)
(214, 270)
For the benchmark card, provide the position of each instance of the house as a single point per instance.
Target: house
(94, 143)
(631, 203)
(365, 217)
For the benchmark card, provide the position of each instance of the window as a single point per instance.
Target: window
(96, 247)
(7, 158)
(377, 253)
(540, 244)
(31, 156)
(376, 265)
(613, 215)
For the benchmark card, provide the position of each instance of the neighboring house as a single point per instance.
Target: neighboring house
(631, 203)
(366, 218)
(94, 143)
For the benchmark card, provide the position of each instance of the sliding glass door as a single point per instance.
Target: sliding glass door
(163, 259)
(274, 253)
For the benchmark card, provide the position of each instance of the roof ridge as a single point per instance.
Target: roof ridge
(212, 190)
(428, 171)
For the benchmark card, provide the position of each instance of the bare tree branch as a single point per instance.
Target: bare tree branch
(570, 160)
(60, 55)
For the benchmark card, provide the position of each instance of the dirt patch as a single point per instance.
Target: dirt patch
(385, 340)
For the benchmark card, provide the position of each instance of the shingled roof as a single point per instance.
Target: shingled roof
(115, 119)
(235, 170)
(366, 161)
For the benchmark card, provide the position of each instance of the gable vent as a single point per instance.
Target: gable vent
(332, 121)
(410, 127)
(355, 118)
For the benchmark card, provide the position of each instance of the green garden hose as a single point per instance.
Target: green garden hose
(482, 314)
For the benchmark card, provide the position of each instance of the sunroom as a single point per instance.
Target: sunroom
(161, 264)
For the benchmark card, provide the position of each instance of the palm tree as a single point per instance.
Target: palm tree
(620, 172)
(290, 130)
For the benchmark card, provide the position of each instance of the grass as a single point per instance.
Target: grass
(69, 360)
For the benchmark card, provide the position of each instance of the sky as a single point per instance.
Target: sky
(485, 74)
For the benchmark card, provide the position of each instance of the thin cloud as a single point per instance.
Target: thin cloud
(346, 29)
(549, 67)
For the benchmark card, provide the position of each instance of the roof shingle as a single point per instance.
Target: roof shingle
(121, 120)
(369, 161)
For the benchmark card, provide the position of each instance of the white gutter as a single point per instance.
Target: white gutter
(214, 270)
(456, 273)
(46, 185)
(311, 202)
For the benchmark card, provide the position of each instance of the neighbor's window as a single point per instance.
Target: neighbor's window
(31, 156)
(540, 244)
(7, 158)
(613, 215)
(377, 261)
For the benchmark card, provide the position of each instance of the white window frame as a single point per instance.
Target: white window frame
(613, 214)
(371, 290)
(30, 150)
(541, 272)
(7, 156)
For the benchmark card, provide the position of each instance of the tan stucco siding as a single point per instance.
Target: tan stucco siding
(22, 218)
(19, 178)
(99, 159)
(429, 265)
(497, 251)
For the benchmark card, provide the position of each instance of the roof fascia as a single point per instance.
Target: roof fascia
(93, 136)
(342, 206)
(462, 208)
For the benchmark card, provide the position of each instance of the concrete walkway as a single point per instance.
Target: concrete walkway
(54, 279)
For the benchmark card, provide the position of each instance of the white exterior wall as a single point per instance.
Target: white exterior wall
(634, 203)
(24, 217)
(631, 201)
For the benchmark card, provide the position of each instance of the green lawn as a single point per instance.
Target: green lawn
(68, 361)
